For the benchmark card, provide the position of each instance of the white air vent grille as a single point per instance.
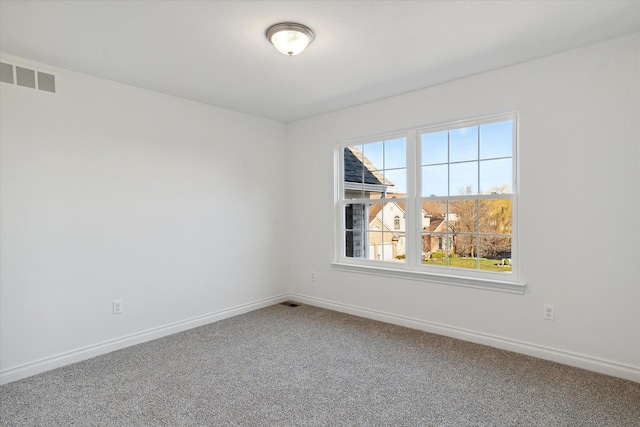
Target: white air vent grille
(27, 77)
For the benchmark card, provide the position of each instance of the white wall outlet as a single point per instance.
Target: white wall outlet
(548, 312)
(117, 306)
(313, 276)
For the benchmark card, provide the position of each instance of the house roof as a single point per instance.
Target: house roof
(358, 169)
(439, 225)
(433, 225)
(375, 208)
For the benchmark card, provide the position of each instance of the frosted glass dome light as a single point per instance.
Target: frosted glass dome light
(290, 38)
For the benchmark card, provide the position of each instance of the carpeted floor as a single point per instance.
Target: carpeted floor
(306, 366)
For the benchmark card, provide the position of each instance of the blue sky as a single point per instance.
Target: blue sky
(484, 147)
(482, 151)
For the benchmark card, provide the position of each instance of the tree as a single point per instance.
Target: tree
(463, 217)
(496, 218)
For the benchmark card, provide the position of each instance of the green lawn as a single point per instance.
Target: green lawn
(485, 264)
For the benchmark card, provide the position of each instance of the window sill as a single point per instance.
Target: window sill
(442, 279)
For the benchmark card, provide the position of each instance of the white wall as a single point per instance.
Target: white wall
(579, 232)
(113, 192)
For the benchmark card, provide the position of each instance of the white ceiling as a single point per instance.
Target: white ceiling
(216, 52)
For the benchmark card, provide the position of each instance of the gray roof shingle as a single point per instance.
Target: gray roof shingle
(359, 169)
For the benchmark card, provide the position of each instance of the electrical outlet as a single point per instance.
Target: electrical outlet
(117, 306)
(548, 312)
(313, 276)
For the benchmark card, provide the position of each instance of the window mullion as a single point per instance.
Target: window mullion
(412, 230)
(478, 230)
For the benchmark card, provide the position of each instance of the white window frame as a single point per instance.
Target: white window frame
(413, 268)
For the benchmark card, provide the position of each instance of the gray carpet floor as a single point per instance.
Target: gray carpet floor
(306, 366)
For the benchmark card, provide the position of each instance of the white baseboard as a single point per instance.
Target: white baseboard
(32, 368)
(628, 372)
(607, 367)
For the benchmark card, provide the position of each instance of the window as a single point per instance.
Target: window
(373, 173)
(454, 186)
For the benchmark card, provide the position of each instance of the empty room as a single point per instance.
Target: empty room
(312, 213)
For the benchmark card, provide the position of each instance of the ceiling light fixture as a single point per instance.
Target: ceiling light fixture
(290, 38)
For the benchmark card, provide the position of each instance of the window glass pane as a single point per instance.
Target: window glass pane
(433, 213)
(384, 215)
(462, 216)
(374, 155)
(376, 215)
(396, 181)
(354, 244)
(353, 172)
(463, 262)
(361, 177)
(433, 245)
(375, 241)
(463, 178)
(399, 241)
(354, 237)
(354, 218)
(435, 180)
(376, 231)
(353, 194)
(395, 153)
(463, 144)
(495, 253)
(374, 195)
(389, 248)
(427, 247)
(496, 140)
(435, 147)
(496, 176)
(465, 250)
(495, 216)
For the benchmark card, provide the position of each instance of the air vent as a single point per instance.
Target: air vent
(290, 303)
(6, 73)
(27, 77)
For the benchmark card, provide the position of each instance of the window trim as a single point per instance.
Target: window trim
(513, 287)
(411, 269)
